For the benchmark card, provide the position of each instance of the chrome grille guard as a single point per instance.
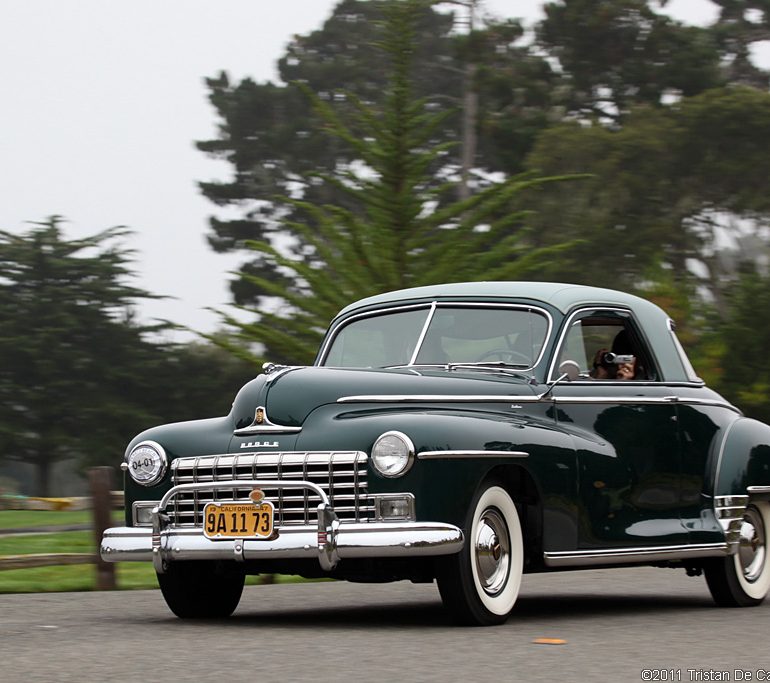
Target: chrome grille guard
(328, 523)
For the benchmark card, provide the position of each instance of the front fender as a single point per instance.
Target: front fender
(443, 487)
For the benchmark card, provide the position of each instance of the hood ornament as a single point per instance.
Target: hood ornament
(262, 425)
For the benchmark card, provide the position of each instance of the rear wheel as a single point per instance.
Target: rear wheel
(743, 579)
(202, 590)
(480, 584)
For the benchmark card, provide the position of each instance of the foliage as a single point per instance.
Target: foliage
(740, 26)
(80, 376)
(658, 183)
(743, 338)
(275, 137)
(69, 345)
(395, 229)
(617, 54)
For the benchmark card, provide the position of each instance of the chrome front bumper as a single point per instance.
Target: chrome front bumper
(329, 541)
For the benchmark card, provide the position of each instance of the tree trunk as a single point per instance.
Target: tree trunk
(42, 478)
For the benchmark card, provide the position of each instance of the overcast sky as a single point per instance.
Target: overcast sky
(102, 102)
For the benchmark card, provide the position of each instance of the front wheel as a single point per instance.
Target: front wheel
(743, 579)
(480, 584)
(202, 590)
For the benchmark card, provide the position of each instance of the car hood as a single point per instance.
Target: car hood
(289, 396)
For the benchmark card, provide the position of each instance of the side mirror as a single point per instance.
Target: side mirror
(569, 368)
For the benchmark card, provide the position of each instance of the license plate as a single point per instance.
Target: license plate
(238, 520)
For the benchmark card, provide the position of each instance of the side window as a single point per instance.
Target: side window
(607, 346)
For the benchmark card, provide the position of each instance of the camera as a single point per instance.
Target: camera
(609, 359)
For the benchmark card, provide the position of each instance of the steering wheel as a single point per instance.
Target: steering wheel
(507, 356)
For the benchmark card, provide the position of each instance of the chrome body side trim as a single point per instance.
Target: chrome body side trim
(721, 453)
(436, 398)
(758, 490)
(498, 398)
(455, 455)
(587, 558)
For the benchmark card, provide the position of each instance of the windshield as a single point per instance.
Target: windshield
(444, 334)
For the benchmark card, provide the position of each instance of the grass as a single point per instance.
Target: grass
(129, 575)
(19, 519)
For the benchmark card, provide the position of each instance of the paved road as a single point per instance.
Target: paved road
(616, 623)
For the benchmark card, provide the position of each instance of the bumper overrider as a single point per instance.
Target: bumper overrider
(329, 541)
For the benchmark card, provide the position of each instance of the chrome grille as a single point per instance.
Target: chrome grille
(341, 475)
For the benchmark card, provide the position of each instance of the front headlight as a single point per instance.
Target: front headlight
(146, 463)
(392, 454)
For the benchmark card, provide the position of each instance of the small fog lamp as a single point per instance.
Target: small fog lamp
(397, 506)
(143, 512)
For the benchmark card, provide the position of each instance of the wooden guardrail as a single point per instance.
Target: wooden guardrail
(49, 560)
(103, 501)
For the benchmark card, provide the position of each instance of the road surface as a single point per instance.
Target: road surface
(618, 625)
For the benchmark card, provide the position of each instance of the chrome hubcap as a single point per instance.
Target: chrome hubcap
(751, 550)
(493, 551)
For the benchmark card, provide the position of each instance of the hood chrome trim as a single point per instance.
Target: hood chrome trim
(262, 425)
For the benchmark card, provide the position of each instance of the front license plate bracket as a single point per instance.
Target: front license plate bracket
(239, 520)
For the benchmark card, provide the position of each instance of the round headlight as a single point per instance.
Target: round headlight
(392, 454)
(146, 463)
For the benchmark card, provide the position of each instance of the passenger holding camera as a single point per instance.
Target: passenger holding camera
(617, 363)
(609, 365)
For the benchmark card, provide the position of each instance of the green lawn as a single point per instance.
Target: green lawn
(18, 519)
(130, 575)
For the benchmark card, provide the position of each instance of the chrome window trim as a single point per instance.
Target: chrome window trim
(423, 332)
(689, 370)
(433, 305)
(455, 455)
(604, 556)
(552, 370)
(324, 352)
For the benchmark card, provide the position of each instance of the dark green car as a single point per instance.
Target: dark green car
(465, 433)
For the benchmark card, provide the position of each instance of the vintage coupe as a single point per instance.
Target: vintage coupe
(459, 433)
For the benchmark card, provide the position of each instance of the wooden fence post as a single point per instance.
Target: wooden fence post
(100, 481)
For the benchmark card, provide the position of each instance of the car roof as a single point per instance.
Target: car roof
(562, 296)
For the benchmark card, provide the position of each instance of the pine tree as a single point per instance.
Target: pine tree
(395, 228)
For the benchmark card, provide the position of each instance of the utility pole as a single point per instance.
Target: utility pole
(470, 102)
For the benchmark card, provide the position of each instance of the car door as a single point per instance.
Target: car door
(625, 433)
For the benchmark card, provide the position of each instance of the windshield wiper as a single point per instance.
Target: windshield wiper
(492, 366)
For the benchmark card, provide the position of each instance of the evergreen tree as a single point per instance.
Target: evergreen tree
(395, 227)
(70, 347)
(273, 136)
